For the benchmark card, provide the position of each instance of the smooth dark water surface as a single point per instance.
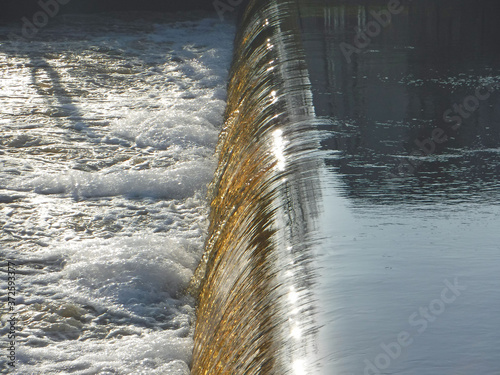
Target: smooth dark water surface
(410, 254)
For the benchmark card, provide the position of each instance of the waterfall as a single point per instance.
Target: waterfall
(255, 312)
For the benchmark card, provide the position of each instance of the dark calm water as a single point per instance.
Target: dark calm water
(410, 254)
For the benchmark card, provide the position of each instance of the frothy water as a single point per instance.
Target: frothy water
(109, 126)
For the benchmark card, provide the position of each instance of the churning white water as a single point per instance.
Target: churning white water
(108, 132)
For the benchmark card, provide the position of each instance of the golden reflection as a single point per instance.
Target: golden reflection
(252, 316)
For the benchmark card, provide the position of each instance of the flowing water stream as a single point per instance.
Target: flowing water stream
(392, 228)
(352, 218)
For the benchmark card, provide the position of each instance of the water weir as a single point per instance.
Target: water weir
(255, 313)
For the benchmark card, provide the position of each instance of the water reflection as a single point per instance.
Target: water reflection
(411, 192)
(419, 101)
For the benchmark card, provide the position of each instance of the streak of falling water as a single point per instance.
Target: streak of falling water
(255, 313)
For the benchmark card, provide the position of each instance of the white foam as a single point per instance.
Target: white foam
(180, 127)
(178, 182)
(112, 217)
(139, 322)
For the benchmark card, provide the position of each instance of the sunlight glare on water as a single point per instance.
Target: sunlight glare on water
(108, 131)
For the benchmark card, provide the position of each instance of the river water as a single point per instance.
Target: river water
(109, 125)
(381, 245)
(410, 252)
